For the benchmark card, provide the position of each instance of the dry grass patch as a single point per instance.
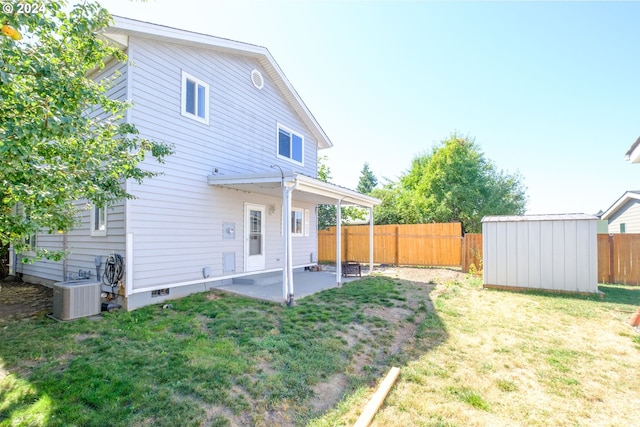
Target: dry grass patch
(517, 359)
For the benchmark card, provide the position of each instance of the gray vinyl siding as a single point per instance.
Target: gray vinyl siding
(82, 247)
(629, 214)
(177, 219)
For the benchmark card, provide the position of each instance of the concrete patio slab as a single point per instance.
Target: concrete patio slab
(305, 283)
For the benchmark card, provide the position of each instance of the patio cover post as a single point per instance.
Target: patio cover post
(287, 226)
(370, 240)
(339, 243)
(285, 276)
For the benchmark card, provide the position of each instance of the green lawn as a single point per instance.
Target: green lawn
(214, 359)
(468, 356)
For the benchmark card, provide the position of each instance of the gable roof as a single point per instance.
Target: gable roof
(623, 200)
(124, 27)
(633, 153)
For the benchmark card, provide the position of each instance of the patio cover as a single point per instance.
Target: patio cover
(295, 186)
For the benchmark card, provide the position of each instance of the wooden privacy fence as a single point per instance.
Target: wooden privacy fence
(443, 245)
(403, 244)
(619, 258)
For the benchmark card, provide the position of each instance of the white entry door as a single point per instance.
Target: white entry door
(254, 237)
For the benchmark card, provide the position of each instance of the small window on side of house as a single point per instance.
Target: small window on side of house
(195, 98)
(98, 220)
(299, 222)
(290, 145)
(623, 228)
(31, 240)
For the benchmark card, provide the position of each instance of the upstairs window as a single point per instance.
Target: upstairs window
(290, 145)
(195, 98)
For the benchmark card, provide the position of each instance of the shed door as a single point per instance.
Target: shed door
(254, 237)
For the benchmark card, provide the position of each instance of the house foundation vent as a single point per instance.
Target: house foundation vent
(257, 79)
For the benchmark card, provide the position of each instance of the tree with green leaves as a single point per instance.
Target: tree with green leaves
(455, 182)
(327, 213)
(367, 181)
(62, 139)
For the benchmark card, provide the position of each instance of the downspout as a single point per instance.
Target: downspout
(285, 261)
(289, 253)
(64, 260)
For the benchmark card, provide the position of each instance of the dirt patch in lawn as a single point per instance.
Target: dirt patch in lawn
(424, 281)
(19, 300)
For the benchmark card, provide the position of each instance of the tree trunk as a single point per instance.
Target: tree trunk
(4, 261)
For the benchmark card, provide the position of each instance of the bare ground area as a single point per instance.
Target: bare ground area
(19, 300)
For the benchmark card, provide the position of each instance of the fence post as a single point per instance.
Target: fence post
(397, 245)
(464, 254)
(611, 262)
(346, 243)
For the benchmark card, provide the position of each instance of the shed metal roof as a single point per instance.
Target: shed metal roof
(543, 217)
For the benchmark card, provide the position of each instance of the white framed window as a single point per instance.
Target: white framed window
(32, 242)
(290, 145)
(98, 221)
(299, 222)
(195, 98)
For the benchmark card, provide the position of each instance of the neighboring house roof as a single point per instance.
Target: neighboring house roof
(623, 200)
(124, 27)
(543, 217)
(307, 188)
(633, 153)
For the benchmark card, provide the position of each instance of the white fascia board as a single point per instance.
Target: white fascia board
(285, 86)
(246, 179)
(160, 32)
(336, 192)
(633, 155)
(302, 183)
(626, 197)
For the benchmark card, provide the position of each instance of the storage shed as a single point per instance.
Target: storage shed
(548, 252)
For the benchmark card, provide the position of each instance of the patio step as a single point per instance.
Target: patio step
(265, 279)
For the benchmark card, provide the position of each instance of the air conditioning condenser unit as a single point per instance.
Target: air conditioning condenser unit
(75, 299)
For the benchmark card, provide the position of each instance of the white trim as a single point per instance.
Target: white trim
(623, 200)
(128, 262)
(293, 230)
(257, 79)
(633, 154)
(157, 32)
(306, 222)
(263, 231)
(183, 98)
(101, 231)
(291, 132)
(323, 192)
(212, 279)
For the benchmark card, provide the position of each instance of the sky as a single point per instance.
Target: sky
(549, 90)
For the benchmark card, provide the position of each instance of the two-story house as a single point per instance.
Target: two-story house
(238, 196)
